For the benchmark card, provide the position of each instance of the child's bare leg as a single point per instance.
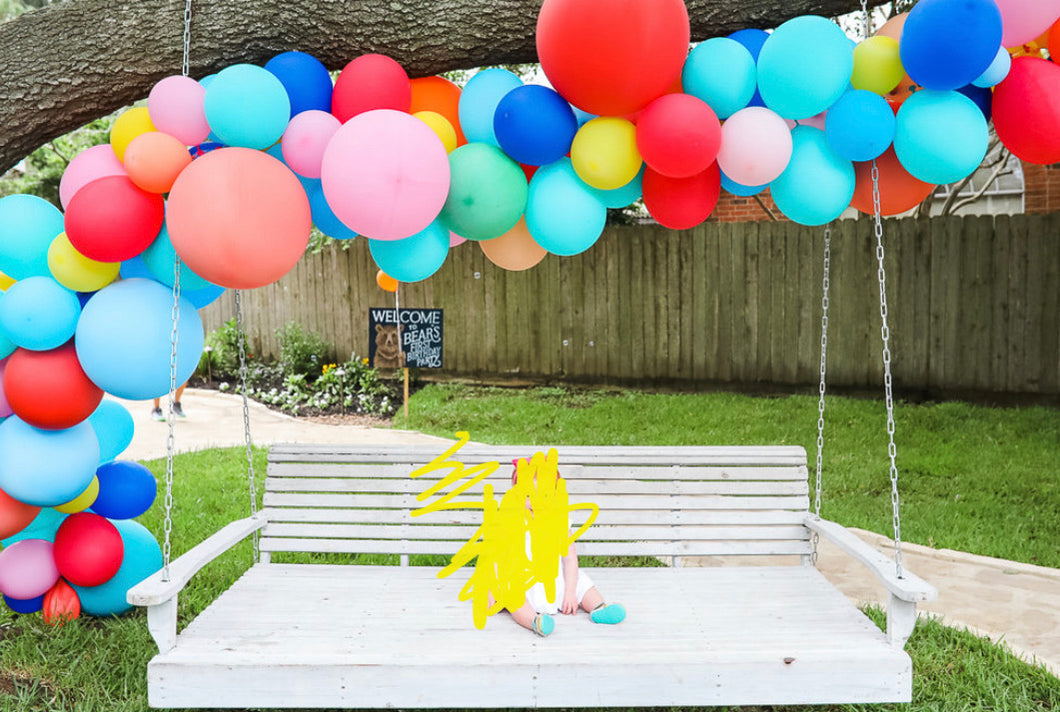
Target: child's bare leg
(524, 615)
(599, 612)
(591, 600)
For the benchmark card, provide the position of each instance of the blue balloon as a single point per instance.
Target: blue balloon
(159, 257)
(7, 346)
(323, 216)
(28, 225)
(563, 214)
(818, 183)
(46, 467)
(625, 195)
(534, 125)
(44, 526)
(743, 191)
(126, 490)
(583, 117)
(722, 73)
(981, 97)
(205, 296)
(804, 66)
(25, 605)
(949, 43)
(142, 557)
(997, 71)
(479, 100)
(751, 39)
(135, 268)
(123, 339)
(305, 78)
(414, 258)
(39, 314)
(941, 136)
(860, 126)
(114, 428)
(247, 106)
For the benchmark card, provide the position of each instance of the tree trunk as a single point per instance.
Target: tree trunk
(72, 62)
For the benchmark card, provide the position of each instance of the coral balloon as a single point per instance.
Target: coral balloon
(14, 515)
(612, 57)
(128, 126)
(899, 191)
(49, 389)
(88, 549)
(153, 161)
(755, 146)
(678, 135)
(441, 96)
(682, 203)
(515, 250)
(111, 219)
(385, 281)
(75, 271)
(239, 218)
(176, 107)
(87, 166)
(604, 152)
(1026, 110)
(372, 81)
(61, 604)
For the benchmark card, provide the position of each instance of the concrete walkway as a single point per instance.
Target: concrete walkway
(1017, 604)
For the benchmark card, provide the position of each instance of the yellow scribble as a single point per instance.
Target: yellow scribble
(522, 537)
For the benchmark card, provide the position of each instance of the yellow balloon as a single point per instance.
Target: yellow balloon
(128, 126)
(441, 126)
(82, 501)
(5, 282)
(77, 272)
(877, 65)
(604, 152)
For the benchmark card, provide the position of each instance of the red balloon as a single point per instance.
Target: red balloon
(899, 191)
(61, 604)
(678, 135)
(88, 549)
(112, 220)
(682, 203)
(1026, 110)
(14, 515)
(238, 218)
(612, 57)
(372, 81)
(49, 389)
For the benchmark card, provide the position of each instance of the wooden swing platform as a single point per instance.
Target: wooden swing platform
(324, 635)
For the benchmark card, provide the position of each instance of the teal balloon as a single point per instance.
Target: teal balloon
(563, 214)
(46, 467)
(487, 192)
(247, 106)
(722, 73)
(860, 126)
(44, 526)
(479, 100)
(624, 196)
(28, 225)
(114, 428)
(818, 183)
(142, 557)
(415, 258)
(743, 191)
(39, 314)
(159, 257)
(941, 136)
(804, 67)
(7, 346)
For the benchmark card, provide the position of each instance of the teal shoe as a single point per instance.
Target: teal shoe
(543, 624)
(609, 614)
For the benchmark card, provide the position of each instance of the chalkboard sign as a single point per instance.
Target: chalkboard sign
(420, 344)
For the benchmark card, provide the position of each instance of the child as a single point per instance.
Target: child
(573, 588)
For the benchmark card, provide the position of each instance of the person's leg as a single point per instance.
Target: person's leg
(178, 410)
(527, 617)
(592, 600)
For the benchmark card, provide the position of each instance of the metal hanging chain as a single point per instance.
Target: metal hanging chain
(246, 419)
(868, 18)
(186, 64)
(171, 441)
(885, 333)
(821, 388)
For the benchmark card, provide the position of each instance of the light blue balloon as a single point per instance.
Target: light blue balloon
(159, 257)
(414, 258)
(247, 106)
(478, 103)
(39, 314)
(46, 467)
(7, 346)
(582, 116)
(941, 136)
(804, 67)
(722, 73)
(860, 126)
(142, 557)
(997, 71)
(818, 183)
(323, 216)
(563, 214)
(28, 225)
(205, 296)
(743, 191)
(123, 339)
(624, 196)
(135, 267)
(114, 428)
(44, 526)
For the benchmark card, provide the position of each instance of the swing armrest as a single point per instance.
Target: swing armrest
(153, 591)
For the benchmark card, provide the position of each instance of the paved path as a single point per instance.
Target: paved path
(1011, 602)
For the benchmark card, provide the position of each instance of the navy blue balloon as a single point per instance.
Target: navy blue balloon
(949, 43)
(305, 78)
(25, 605)
(981, 97)
(753, 41)
(126, 490)
(534, 125)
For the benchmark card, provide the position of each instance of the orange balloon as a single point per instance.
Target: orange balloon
(515, 250)
(893, 28)
(386, 282)
(154, 159)
(14, 515)
(441, 96)
(1054, 42)
(61, 604)
(899, 191)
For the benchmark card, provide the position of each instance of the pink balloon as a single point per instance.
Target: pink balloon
(385, 174)
(455, 239)
(175, 105)
(5, 409)
(87, 166)
(305, 139)
(755, 146)
(1023, 21)
(27, 569)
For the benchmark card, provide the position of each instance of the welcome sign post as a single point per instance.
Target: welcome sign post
(405, 338)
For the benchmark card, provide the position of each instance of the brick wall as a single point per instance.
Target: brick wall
(731, 208)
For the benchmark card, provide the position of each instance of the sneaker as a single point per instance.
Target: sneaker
(178, 411)
(610, 614)
(543, 624)
(156, 414)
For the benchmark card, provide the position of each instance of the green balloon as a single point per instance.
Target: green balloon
(487, 192)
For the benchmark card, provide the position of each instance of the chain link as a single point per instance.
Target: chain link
(185, 66)
(246, 419)
(821, 389)
(885, 334)
(171, 441)
(868, 18)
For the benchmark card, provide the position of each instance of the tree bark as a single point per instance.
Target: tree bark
(69, 63)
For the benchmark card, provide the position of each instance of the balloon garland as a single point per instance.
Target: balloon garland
(230, 172)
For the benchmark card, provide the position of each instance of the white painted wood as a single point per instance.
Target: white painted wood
(901, 619)
(162, 624)
(571, 472)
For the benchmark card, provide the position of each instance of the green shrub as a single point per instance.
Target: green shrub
(301, 352)
(220, 355)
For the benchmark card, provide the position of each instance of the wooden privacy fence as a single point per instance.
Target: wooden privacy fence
(973, 306)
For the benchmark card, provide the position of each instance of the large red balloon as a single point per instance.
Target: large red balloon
(612, 57)
(112, 220)
(1026, 110)
(14, 515)
(372, 81)
(678, 135)
(238, 218)
(49, 389)
(61, 604)
(899, 191)
(88, 549)
(682, 203)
